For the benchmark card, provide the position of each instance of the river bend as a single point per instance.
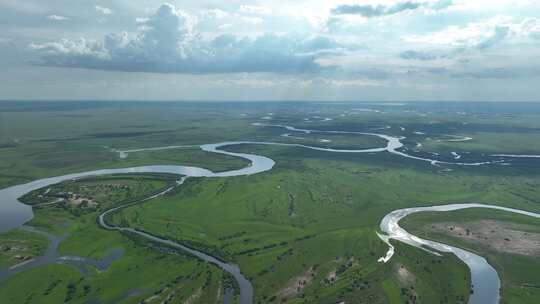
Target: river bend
(13, 214)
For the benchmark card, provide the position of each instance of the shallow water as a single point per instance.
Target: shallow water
(52, 256)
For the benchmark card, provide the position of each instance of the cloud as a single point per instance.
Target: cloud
(461, 42)
(252, 20)
(255, 9)
(419, 55)
(103, 10)
(530, 27)
(57, 18)
(71, 49)
(214, 13)
(370, 11)
(532, 71)
(472, 37)
(317, 43)
(440, 5)
(479, 35)
(484, 43)
(162, 36)
(499, 33)
(167, 43)
(490, 73)
(224, 26)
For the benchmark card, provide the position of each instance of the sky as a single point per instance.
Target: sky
(362, 50)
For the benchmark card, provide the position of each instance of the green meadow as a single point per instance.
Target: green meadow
(303, 232)
(137, 276)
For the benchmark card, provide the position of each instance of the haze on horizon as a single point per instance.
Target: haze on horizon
(270, 50)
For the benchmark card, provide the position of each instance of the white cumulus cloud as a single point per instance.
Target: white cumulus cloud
(57, 18)
(103, 10)
(255, 9)
(167, 43)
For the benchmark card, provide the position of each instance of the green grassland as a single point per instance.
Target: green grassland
(17, 246)
(35, 144)
(101, 190)
(46, 140)
(519, 273)
(31, 163)
(502, 143)
(106, 191)
(138, 275)
(309, 211)
(140, 272)
(304, 232)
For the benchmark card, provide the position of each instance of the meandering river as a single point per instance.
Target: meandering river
(13, 214)
(484, 278)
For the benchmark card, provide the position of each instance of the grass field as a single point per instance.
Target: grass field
(17, 246)
(335, 204)
(304, 232)
(138, 275)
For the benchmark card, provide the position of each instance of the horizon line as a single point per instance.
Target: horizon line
(265, 101)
